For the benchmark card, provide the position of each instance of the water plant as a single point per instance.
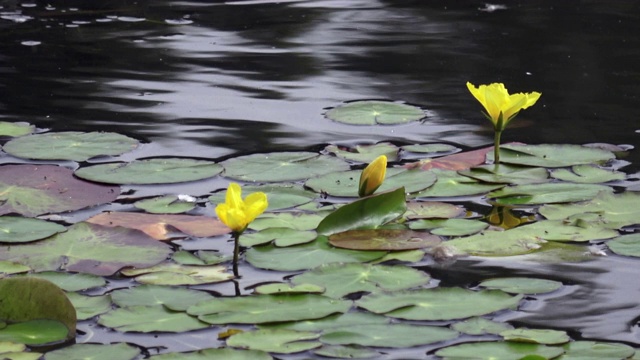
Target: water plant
(372, 176)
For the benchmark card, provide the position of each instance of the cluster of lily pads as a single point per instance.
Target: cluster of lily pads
(349, 283)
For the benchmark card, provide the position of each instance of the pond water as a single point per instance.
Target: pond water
(215, 79)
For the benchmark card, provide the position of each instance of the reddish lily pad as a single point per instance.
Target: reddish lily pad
(460, 161)
(383, 239)
(158, 226)
(89, 248)
(33, 190)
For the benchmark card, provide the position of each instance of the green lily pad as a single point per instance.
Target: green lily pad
(150, 319)
(612, 211)
(71, 282)
(16, 229)
(25, 299)
(169, 204)
(15, 129)
(331, 322)
(89, 248)
(282, 288)
(410, 256)
(169, 273)
(438, 303)
(503, 350)
(281, 196)
(34, 332)
(365, 153)
(450, 183)
(258, 309)
(522, 285)
(537, 336)
(221, 353)
(450, 227)
(151, 171)
(551, 155)
(388, 335)
(305, 256)
(627, 245)
(346, 352)
(293, 220)
(431, 210)
(279, 341)
(8, 267)
(366, 213)
(587, 174)
(592, 350)
(70, 145)
(547, 193)
(280, 236)
(345, 184)
(383, 239)
(33, 190)
(340, 279)
(176, 299)
(120, 351)
(507, 174)
(371, 112)
(480, 326)
(281, 166)
(429, 148)
(89, 306)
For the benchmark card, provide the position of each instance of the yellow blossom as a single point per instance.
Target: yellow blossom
(237, 213)
(499, 105)
(372, 176)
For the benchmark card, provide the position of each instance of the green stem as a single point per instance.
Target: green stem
(496, 147)
(236, 252)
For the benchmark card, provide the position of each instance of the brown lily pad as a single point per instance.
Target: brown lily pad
(32, 190)
(384, 239)
(160, 226)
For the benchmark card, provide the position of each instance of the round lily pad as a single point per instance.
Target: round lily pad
(71, 145)
(538, 336)
(15, 129)
(592, 350)
(522, 285)
(365, 153)
(587, 174)
(89, 306)
(220, 353)
(383, 239)
(627, 245)
(120, 351)
(388, 335)
(15, 229)
(177, 299)
(280, 341)
(372, 112)
(70, 281)
(480, 326)
(150, 319)
(499, 350)
(34, 332)
(151, 171)
(282, 166)
(430, 148)
(169, 204)
(547, 193)
(551, 155)
(281, 196)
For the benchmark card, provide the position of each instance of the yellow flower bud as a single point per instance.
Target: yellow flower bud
(372, 176)
(237, 213)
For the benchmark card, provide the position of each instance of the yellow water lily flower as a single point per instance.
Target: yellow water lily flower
(237, 213)
(372, 176)
(501, 106)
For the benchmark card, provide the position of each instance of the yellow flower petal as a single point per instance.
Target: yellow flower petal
(236, 213)
(372, 176)
(497, 102)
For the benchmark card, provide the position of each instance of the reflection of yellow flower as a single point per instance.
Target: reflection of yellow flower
(237, 213)
(372, 176)
(500, 106)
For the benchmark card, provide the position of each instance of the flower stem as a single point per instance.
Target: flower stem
(236, 252)
(496, 147)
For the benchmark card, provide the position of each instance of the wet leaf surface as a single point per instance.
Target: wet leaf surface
(14, 229)
(371, 112)
(383, 239)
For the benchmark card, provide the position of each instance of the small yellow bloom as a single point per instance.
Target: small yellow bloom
(237, 213)
(372, 176)
(500, 106)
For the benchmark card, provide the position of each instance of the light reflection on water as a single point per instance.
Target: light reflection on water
(223, 78)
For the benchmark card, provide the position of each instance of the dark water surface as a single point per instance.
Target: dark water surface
(219, 78)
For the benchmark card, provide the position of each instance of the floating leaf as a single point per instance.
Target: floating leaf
(331, 322)
(151, 171)
(7, 267)
(281, 166)
(293, 220)
(547, 193)
(346, 183)
(164, 205)
(158, 226)
(89, 306)
(15, 129)
(429, 148)
(280, 236)
(306, 256)
(15, 229)
(281, 288)
(346, 352)
(367, 213)
(275, 340)
(340, 279)
(537, 336)
(450, 183)
(507, 174)
(498, 350)
(89, 248)
(388, 335)
(450, 227)
(627, 245)
(480, 326)
(522, 285)
(432, 209)
(120, 351)
(25, 299)
(71, 282)
(373, 112)
(149, 319)
(33, 190)
(551, 155)
(281, 196)
(383, 239)
(455, 162)
(221, 353)
(587, 174)
(70, 145)
(592, 350)
(34, 332)
(168, 273)
(258, 309)
(177, 299)
(365, 153)
(438, 303)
